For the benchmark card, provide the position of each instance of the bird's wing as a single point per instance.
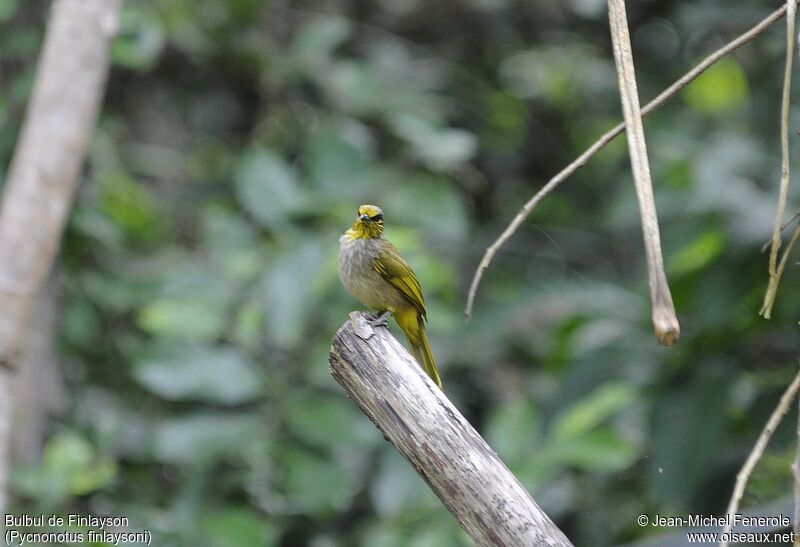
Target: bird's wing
(394, 269)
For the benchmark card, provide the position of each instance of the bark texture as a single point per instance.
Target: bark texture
(38, 388)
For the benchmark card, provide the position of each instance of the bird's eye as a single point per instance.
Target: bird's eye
(376, 217)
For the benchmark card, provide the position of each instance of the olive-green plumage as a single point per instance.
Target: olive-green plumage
(375, 272)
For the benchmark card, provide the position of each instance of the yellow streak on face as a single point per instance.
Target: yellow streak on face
(366, 229)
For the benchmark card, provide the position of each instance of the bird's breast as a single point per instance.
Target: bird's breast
(357, 272)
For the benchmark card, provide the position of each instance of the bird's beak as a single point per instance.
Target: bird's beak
(363, 218)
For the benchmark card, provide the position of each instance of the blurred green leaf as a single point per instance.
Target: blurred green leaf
(439, 148)
(7, 9)
(81, 322)
(131, 205)
(397, 488)
(514, 429)
(433, 208)
(248, 328)
(384, 536)
(355, 87)
(697, 254)
(68, 451)
(195, 317)
(200, 438)
(328, 421)
(237, 527)
(287, 291)
(266, 187)
(438, 532)
(93, 224)
(72, 457)
(141, 38)
(510, 117)
(69, 467)
(721, 88)
(339, 167)
(116, 293)
(591, 411)
(232, 243)
(318, 38)
(213, 374)
(304, 473)
(444, 535)
(599, 450)
(557, 72)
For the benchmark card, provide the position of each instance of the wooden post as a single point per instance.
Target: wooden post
(488, 501)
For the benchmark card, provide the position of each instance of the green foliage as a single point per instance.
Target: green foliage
(237, 527)
(578, 438)
(7, 9)
(200, 439)
(722, 87)
(686, 447)
(218, 375)
(266, 187)
(130, 206)
(70, 467)
(141, 38)
(592, 410)
(198, 289)
(191, 318)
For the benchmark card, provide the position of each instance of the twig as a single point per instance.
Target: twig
(607, 137)
(758, 450)
(774, 276)
(772, 289)
(791, 219)
(665, 322)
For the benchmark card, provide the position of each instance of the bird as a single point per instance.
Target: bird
(375, 272)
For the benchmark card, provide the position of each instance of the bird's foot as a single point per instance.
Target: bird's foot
(379, 320)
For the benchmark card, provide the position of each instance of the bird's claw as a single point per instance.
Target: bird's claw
(379, 320)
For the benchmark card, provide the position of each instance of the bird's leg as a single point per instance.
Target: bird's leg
(380, 319)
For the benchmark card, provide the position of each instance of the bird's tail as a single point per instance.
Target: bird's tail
(414, 328)
(421, 349)
(423, 354)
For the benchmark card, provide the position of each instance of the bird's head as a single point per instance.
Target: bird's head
(369, 222)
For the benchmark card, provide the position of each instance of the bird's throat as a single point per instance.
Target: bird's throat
(365, 230)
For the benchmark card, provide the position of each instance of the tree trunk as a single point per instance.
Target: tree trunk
(44, 173)
(38, 387)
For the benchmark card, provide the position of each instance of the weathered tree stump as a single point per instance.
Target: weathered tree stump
(384, 380)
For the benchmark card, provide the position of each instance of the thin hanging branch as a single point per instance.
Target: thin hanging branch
(607, 137)
(783, 227)
(758, 450)
(785, 259)
(774, 271)
(665, 322)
